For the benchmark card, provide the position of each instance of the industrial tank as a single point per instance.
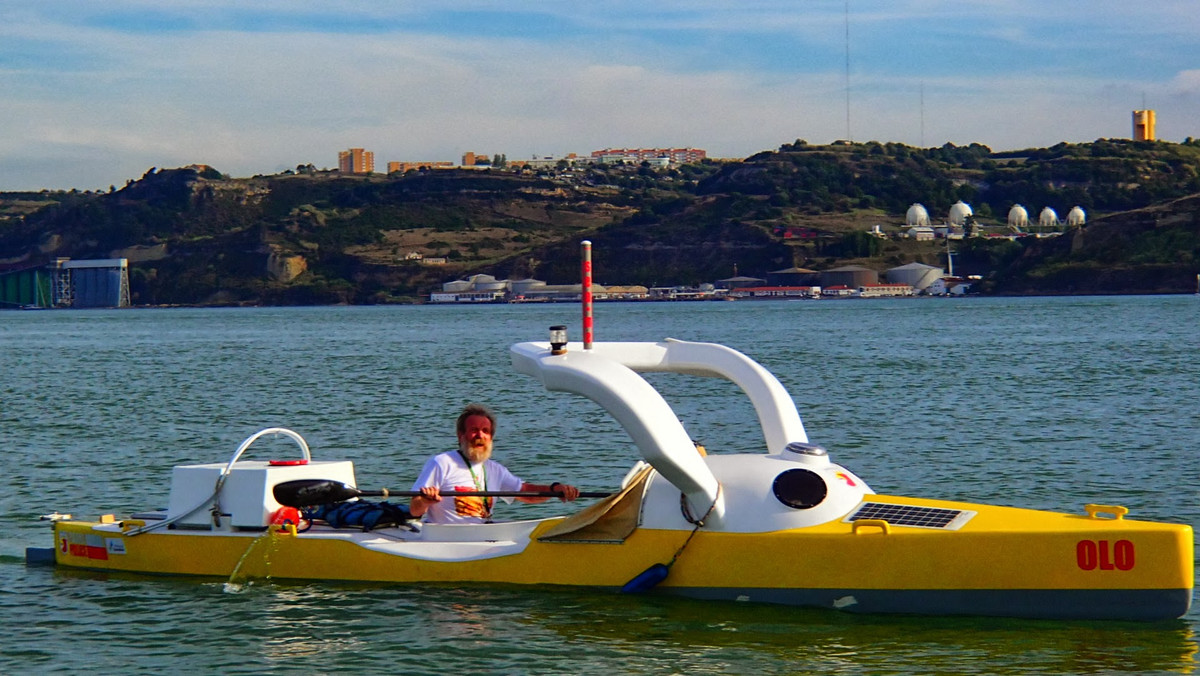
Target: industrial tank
(960, 211)
(1018, 217)
(521, 287)
(1048, 218)
(487, 283)
(852, 276)
(917, 275)
(917, 215)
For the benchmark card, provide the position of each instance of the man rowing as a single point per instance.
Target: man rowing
(470, 468)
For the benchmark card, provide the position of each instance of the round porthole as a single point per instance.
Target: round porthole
(800, 488)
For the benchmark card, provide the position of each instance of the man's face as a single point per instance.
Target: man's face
(476, 438)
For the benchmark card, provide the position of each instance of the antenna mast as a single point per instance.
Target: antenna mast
(849, 136)
(922, 114)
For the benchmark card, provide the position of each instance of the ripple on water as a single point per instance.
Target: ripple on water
(1046, 403)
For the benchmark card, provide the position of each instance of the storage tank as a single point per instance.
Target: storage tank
(521, 287)
(917, 275)
(852, 276)
(960, 211)
(1076, 217)
(486, 283)
(1048, 218)
(1018, 217)
(917, 215)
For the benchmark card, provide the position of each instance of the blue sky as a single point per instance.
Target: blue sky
(94, 93)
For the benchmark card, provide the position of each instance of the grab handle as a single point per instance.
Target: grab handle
(871, 523)
(1093, 511)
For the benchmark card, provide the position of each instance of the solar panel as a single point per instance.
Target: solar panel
(912, 515)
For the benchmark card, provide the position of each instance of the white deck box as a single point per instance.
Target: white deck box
(246, 496)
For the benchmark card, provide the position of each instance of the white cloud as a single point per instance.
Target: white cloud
(87, 103)
(1186, 82)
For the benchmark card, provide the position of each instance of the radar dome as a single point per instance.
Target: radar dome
(960, 211)
(1076, 217)
(917, 215)
(1048, 218)
(1017, 216)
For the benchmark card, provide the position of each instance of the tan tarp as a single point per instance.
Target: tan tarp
(610, 520)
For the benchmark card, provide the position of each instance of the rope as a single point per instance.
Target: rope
(699, 523)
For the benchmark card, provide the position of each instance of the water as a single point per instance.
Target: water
(1045, 402)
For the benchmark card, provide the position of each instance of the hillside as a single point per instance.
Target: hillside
(1151, 250)
(195, 236)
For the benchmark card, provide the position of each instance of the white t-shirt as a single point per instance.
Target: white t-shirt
(448, 471)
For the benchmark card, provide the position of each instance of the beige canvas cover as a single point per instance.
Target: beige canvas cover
(611, 520)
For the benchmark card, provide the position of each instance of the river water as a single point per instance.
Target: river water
(1033, 402)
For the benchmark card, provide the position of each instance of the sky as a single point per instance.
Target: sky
(93, 94)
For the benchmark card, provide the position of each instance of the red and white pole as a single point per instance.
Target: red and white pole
(586, 269)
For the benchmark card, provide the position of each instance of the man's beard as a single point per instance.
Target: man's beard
(475, 455)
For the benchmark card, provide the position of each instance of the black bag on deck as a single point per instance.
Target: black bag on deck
(360, 514)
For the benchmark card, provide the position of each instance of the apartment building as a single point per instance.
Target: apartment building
(356, 161)
(675, 155)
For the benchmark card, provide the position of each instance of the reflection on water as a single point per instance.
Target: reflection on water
(306, 628)
(1046, 403)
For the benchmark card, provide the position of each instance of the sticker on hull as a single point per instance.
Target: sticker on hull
(89, 546)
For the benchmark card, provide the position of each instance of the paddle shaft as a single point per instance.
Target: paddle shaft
(312, 492)
(483, 494)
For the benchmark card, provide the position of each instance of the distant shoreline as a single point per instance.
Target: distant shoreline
(623, 301)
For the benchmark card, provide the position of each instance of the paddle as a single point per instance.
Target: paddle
(313, 492)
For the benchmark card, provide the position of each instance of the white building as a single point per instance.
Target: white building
(948, 286)
(488, 289)
(883, 290)
(921, 233)
(466, 296)
(474, 289)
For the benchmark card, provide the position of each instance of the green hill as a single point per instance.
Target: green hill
(1151, 250)
(195, 236)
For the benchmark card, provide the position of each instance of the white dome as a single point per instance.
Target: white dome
(1018, 216)
(1076, 217)
(959, 212)
(917, 215)
(1048, 217)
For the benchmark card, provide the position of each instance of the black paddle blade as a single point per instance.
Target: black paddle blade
(312, 492)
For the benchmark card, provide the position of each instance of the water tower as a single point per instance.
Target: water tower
(1143, 125)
